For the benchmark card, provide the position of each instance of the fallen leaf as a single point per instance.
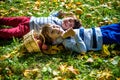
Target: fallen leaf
(105, 51)
(63, 68)
(13, 9)
(29, 73)
(3, 57)
(106, 74)
(78, 3)
(88, 15)
(90, 60)
(78, 11)
(72, 70)
(37, 3)
(55, 73)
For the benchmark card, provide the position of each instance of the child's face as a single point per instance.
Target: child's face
(54, 32)
(68, 22)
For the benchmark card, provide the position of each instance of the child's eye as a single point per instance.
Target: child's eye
(53, 26)
(70, 20)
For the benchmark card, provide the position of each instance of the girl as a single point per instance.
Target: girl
(82, 40)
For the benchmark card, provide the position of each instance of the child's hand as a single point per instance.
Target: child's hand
(70, 32)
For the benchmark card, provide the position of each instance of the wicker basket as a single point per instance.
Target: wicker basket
(30, 42)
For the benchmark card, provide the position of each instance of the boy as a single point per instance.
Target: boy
(82, 40)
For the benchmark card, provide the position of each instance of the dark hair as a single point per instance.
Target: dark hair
(77, 24)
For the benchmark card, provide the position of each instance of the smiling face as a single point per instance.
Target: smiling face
(68, 22)
(54, 32)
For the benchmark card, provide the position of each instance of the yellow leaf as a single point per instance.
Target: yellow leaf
(105, 51)
(115, 20)
(59, 78)
(106, 74)
(78, 3)
(117, 78)
(88, 15)
(63, 0)
(78, 11)
(55, 0)
(13, 9)
(55, 47)
(69, 4)
(3, 57)
(29, 73)
(37, 3)
(63, 68)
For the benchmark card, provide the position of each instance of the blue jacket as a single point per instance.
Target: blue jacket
(84, 40)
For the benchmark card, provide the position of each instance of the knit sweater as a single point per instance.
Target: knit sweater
(37, 22)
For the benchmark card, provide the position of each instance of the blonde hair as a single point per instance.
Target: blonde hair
(44, 31)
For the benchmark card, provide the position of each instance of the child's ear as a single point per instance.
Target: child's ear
(44, 47)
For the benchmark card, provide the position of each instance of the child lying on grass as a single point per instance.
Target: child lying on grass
(23, 25)
(82, 40)
(35, 42)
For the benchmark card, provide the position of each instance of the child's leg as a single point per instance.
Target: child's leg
(12, 21)
(111, 33)
(18, 31)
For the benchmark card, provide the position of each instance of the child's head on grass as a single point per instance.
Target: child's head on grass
(69, 22)
(51, 32)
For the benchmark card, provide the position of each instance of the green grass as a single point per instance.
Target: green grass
(91, 66)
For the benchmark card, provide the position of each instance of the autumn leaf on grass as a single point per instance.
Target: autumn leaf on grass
(90, 60)
(68, 5)
(53, 49)
(13, 9)
(30, 73)
(117, 78)
(3, 57)
(104, 75)
(72, 70)
(78, 11)
(68, 70)
(37, 5)
(78, 3)
(105, 51)
(63, 68)
(59, 78)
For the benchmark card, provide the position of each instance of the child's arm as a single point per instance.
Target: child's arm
(75, 43)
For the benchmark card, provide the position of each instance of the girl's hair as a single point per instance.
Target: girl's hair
(44, 32)
(77, 23)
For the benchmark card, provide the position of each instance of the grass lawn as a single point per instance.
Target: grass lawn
(100, 65)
